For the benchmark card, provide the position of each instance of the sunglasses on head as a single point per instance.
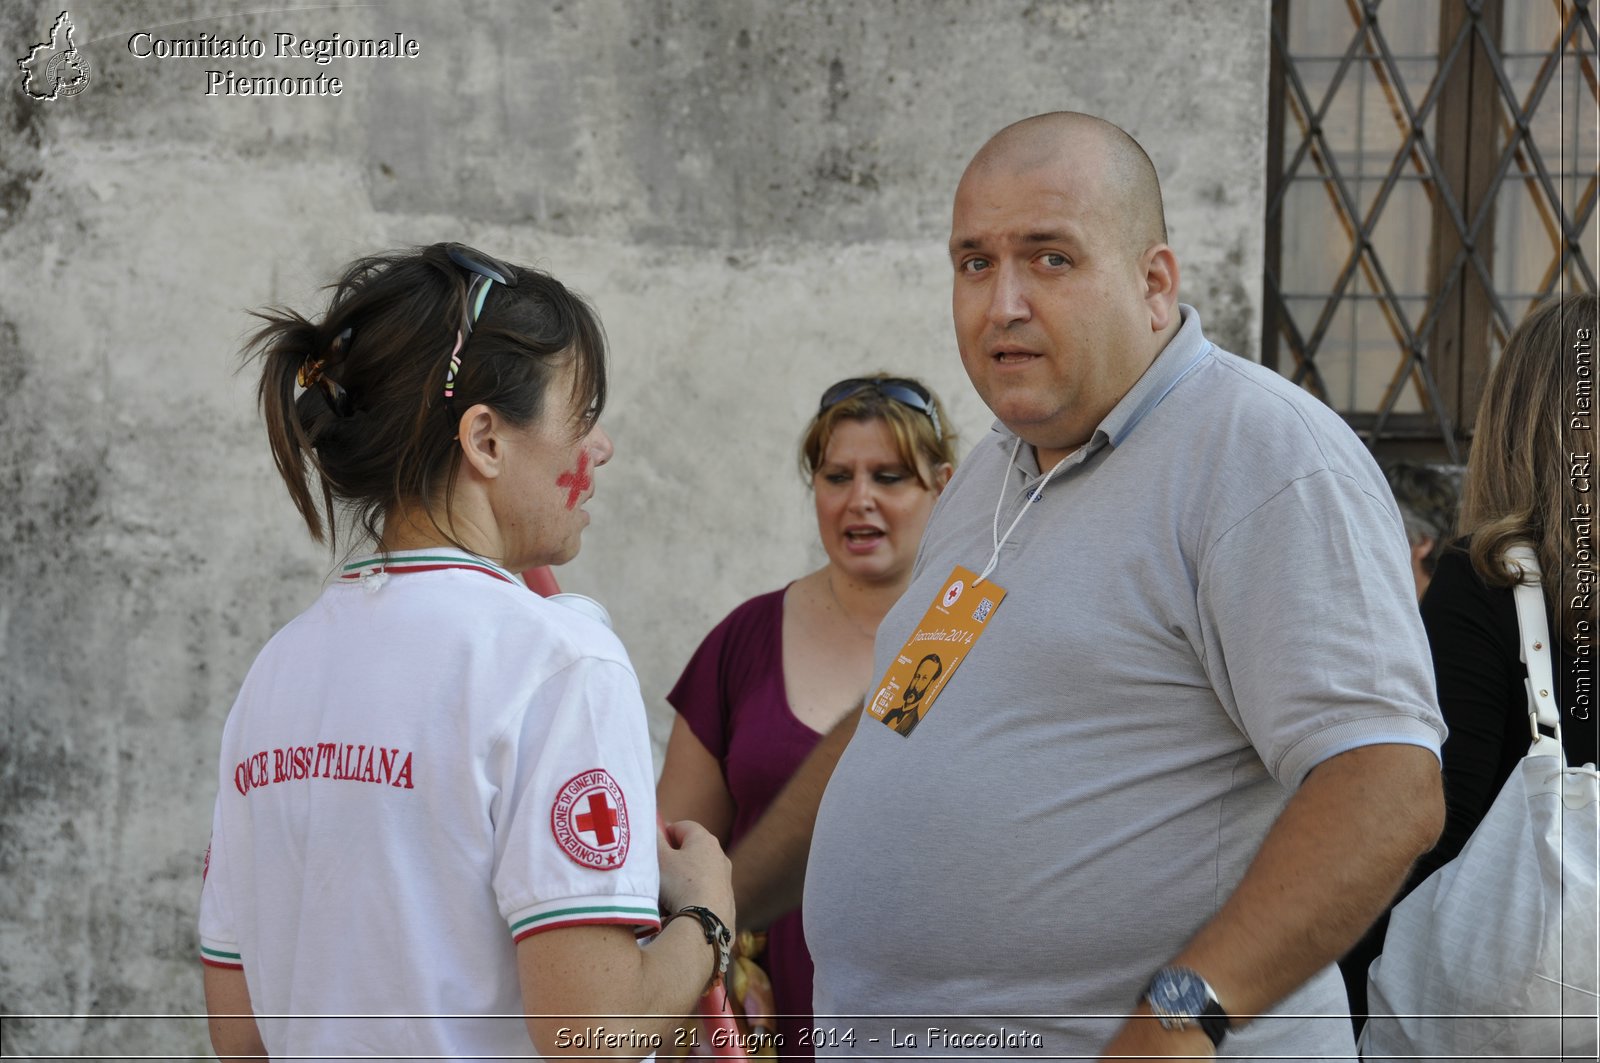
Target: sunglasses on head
(897, 389)
(486, 273)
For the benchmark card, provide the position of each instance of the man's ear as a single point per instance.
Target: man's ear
(478, 435)
(1159, 269)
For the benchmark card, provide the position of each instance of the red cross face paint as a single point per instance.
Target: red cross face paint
(577, 482)
(590, 821)
(547, 475)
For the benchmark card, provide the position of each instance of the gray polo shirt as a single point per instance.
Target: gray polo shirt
(1209, 599)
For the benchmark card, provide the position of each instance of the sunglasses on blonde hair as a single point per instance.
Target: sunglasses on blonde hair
(896, 389)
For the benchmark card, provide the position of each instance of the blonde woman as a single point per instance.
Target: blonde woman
(784, 667)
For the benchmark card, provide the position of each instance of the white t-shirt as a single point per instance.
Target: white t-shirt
(427, 765)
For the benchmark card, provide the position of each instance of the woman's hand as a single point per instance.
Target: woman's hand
(694, 870)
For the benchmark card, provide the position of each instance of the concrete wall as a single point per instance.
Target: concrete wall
(756, 197)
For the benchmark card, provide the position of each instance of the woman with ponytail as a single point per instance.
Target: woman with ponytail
(435, 824)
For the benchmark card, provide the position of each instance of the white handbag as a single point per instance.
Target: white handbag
(1494, 955)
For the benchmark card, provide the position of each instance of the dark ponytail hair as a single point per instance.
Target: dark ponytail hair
(372, 428)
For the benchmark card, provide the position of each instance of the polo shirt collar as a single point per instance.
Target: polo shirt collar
(428, 559)
(1177, 359)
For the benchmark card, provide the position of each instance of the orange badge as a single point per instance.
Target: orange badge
(937, 646)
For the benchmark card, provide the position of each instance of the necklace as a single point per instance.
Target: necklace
(870, 634)
(1032, 495)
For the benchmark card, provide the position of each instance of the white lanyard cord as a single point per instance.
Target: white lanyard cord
(1029, 497)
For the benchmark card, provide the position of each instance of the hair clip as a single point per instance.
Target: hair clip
(310, 374)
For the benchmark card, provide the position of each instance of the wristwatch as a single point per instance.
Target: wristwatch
(717, 934)
(1181, 999)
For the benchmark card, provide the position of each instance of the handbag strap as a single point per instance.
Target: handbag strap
(1534, 633)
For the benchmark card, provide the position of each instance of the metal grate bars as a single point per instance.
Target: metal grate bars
(1464, 205)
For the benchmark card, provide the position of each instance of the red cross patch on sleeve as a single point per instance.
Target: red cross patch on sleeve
(590, 820)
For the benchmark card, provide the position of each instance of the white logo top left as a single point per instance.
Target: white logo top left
(55, 68)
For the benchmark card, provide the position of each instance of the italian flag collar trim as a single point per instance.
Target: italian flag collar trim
(432, 560)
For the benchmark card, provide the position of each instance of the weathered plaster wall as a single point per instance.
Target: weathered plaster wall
(756, 197)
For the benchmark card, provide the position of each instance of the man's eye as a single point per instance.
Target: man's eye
(974, 265)
(1054, 259)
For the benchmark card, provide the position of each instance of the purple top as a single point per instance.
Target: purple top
(731, 695)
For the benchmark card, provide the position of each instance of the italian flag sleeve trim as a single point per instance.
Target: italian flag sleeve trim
(214, 957)
(640, 913)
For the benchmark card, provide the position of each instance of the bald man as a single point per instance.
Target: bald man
(1194, 748)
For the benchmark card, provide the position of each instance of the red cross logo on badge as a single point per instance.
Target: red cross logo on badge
(953, 592)
(590, 820)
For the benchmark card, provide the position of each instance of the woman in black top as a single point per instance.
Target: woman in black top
(1527, 480)
(1472, 629)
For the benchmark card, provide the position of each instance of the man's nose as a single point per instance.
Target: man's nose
(1008, 297)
